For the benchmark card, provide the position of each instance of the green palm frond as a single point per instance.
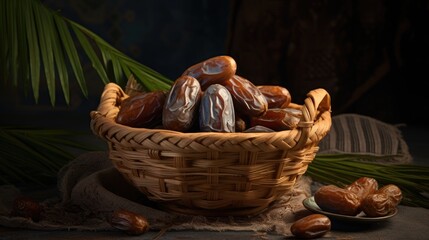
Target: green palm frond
(40, 42)
(35, 155)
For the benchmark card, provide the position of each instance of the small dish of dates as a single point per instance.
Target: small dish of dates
(361, 201)
(311, 205)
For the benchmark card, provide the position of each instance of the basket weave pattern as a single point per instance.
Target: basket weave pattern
(210, 173)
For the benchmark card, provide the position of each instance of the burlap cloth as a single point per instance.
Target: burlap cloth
(91, 189)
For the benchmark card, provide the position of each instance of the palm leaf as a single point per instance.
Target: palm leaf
(44, 24)
(71, 51)
(40, 42)
(4, 46)
(61, 65)
(33, 48)
(34, 155)
(152, 79)
(23, 52)
(90, 52)
(112, 63)
(12, 37)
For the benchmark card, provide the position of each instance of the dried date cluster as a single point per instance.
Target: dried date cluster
(210, 96)
(361, 195)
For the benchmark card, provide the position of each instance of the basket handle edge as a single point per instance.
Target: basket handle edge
(109, 100)
(317, 99)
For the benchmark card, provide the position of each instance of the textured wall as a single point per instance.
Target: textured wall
(367, 54)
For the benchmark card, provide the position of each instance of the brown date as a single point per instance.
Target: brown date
(26, 207)
(181, 106)
(393, 192)
(337, 200)
(383, 201)
(217, 110)
(278, 119)
(215, 70)
(363, 186)
(248, 100)
(311, 226)
(129, 222)
(277, 96)
(377, 205)
(142, 110)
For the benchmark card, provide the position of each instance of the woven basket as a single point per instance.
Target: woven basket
(208, 173)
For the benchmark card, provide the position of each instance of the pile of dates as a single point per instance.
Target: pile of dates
(210, 97)
(361, 195)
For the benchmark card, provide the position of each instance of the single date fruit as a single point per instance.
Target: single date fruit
(363, 186)
(383, 202)
(277, 96)
(142, 110)
(26, 207)
(248, 99)
(215, 70)
(311, 226)
(181, 106)
(217, 110)
(278, 119)
(377, 205)
(129, 222)
(337, 200)
(393, 192)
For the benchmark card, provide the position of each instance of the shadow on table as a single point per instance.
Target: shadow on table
(347, 226)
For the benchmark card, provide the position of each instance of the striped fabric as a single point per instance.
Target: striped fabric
(358, 134)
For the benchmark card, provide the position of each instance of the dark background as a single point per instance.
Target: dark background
(371, 55)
